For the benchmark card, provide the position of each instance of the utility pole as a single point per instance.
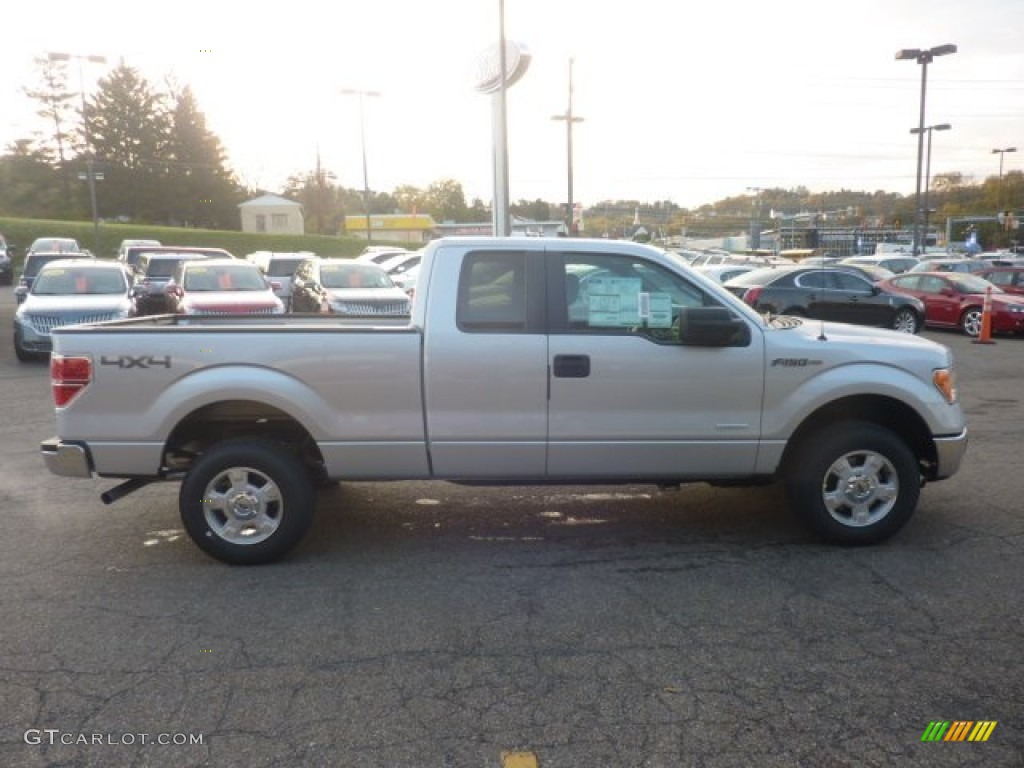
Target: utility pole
(569, 118)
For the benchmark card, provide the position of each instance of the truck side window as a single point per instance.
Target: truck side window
(626, 295)
(492, 293)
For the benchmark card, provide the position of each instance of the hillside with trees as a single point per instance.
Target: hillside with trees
(161, 165)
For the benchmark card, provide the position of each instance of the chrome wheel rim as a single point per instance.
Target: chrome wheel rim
(243, 505)
(860, 488)
(906, 321)
(972, 323)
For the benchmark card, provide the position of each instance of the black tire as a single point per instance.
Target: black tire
(906, 320)
(247, 501)
(881, 472)
(23, 355)
(970, 321)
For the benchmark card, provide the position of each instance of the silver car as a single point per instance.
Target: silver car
(346, 287)
(67, 292)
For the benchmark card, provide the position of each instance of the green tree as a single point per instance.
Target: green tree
(445, 201)
(127, 125)
(199, 190)
(28, 183)
(55, 106)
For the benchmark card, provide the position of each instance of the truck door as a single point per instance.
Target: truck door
(485, 369)
(627, 398)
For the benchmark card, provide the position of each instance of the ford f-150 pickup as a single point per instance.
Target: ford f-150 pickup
(525, 361)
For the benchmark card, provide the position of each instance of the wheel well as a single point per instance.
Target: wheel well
(887, 412)
(216, 422)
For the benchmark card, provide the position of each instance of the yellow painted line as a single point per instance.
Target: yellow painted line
(519, 760)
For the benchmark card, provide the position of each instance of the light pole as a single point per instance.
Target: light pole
(928, 172)
(922, 57)
(362, 140)
(755, 219)
(569, 119)
(90, 171)
(999, 192)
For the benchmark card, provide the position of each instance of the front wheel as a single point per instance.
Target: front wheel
(906, 321)
(246, 501)
(853, 483)
(970, 321)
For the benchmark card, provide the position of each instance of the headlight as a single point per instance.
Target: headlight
(340, 307)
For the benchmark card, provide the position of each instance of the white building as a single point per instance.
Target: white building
(272, 214)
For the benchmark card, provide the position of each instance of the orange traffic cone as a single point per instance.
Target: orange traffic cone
(985, 336)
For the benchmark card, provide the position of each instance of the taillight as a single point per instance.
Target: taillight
(69, 376)
(751, 296)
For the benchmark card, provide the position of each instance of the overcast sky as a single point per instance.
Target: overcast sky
(683, 102)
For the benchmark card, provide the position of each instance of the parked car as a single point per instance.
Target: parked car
(54, 245)
(721, 273)
(33, 263)
(346, 287)
(827, 293)
(949, 265)
(134, 243)
(279, 267)
(6, 265)
(378, 254)
(66, 292)
(152, 274)
(133, 253)
(1010, 279)
(221, 287)
(894, 262)
(870, 272)
(400, 262)
(407, 280)
(955, 299)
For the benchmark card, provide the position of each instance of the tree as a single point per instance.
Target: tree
(28, 183)
(445, 201)
(199, 191)
(55, 106)
(126, 125)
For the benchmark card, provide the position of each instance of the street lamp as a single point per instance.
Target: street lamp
(922, 57)
(90, 171)
(362, 140)
(928, 172)
(569, 119)
(999, 193)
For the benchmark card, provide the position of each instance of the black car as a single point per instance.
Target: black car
(6, 264)
(152, 274)
(129, 255)
(827, 293)
(34, 262)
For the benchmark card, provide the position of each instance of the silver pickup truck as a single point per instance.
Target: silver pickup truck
(525, 361)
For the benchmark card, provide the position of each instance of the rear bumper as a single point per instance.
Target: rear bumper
(66, 459)
(949, 452)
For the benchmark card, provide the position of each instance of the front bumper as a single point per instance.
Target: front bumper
(949, 453)
(66, 459)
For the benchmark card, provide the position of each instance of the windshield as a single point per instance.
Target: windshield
(78, 282)
(240, 277)
(354, 276)
(35, 262)
(283, 267)
(971, 284)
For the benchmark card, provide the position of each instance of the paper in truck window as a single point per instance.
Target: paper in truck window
(621, 302)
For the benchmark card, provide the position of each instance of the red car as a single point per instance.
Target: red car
(955, 299)
(221, 287)
(1010, 279)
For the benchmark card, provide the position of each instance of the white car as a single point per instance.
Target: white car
(67, 292)
(722, 272)
(378, 254)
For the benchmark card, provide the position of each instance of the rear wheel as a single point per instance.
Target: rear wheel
(970, 321)
(906, 321)
(247, 501)
(20, 352)
(853, 483)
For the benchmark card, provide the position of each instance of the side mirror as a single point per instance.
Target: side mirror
(712, 327)
(275, 285)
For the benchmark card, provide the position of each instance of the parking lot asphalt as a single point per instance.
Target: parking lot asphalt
(428, 624)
